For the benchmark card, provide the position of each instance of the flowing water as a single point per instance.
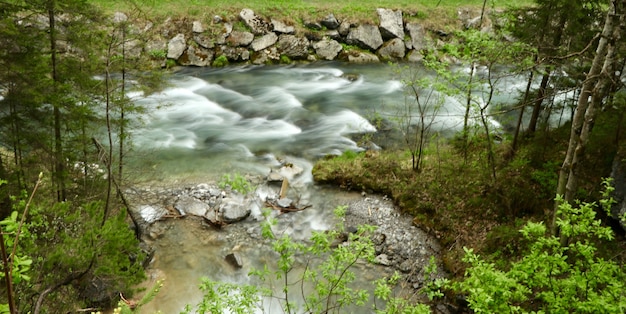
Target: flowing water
(210, 122)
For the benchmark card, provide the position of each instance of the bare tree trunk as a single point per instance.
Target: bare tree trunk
(521, 113)
(537, 106)
(593, 91)
(468, 106)
(109, 152)
(59, 171)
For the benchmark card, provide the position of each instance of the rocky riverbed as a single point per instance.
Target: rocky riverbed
(226, 225)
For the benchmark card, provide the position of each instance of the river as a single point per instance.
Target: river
(248, 119)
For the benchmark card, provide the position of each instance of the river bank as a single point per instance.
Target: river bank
(250, 38)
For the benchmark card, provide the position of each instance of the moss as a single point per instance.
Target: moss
(220, 61)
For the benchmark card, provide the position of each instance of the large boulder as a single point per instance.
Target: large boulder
(203, 41)
(235, 53)
(264, 41)
(197, 56)
(344, 28)
(234, 211)
(187, 205)
(265, 56)
(391, 25)
(416, 36)
(330, 22)
(150, 213)
(365, 36)
(392, 50)
(256, 23)
(327, 49)
(176, 47)
(293, 47)
(281, 27)
(240, 39)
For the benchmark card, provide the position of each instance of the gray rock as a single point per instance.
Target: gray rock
(227, 28)
(264, 41)
(284, 202)
(330, 22)
(293, 47)
(203, 41)
(233, 211)
(382, 259)
(197, 27)
(234, 53)
(280, 27)
(362, 57)
(217, 19)
(151, 213)
(213, 217)
(415, 56)
(133, 48)
(333, 34)
(416, 36)
(274, 176)
(344, 28)
(187, 205)
(391, 25)
(240, 39)
(155, 45)
(197, 56)
(234, 259)
(392, 50)
(406, 266)
(266, 56)
(327, 49)
(119, 17)
(313, 25)
(365, 36)
(176, 47)
(256, 23)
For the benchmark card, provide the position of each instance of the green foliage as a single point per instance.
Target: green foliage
(170, 63)
(236, 182)
(128, 307)
(72, 242)
(285, 59)
(547, 176)
(21, 263)
(220, 61)
(326, 283)
(551, 277)
(158, 54)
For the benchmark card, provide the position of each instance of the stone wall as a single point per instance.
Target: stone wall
(268, 41)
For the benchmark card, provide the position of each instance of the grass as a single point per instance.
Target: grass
(432, 13)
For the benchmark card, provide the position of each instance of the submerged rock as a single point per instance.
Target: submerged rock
(234, 259)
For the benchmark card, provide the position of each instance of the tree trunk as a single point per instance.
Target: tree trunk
(594, 89)
(59, 171)
(537, 106)
(468, 106)
(521, 114)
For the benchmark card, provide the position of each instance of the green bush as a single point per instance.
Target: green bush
(558, 274)
(236, 182)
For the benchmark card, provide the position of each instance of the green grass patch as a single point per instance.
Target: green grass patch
(432, 12)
